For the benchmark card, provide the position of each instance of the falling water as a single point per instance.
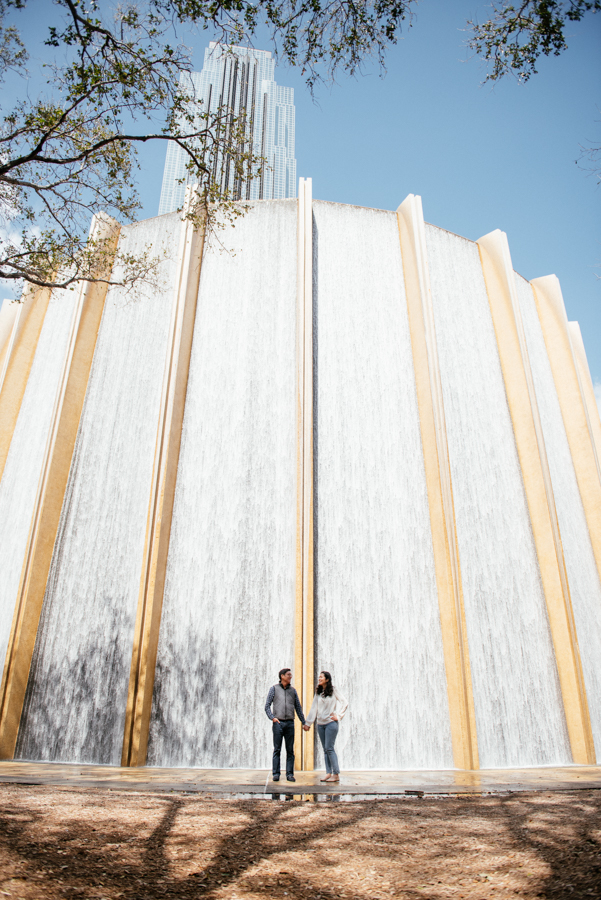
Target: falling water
(25, 458)
(585, 588)
(76, 696)
(228, 610)
(519, 713)
(377, 616)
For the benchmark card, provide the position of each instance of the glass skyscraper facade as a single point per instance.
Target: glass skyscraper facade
(242, 80)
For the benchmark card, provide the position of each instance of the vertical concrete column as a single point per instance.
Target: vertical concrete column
(304, 623)
(576, 419)
(438, 480)
(51, 489)
(160, 507)
(519, 385)
(8, 314)
(586, 387)
(22, 324)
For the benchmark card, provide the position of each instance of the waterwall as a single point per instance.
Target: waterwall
(228, 607)
(331, 438)
(519, 714)
(376, 609)
(75, 702)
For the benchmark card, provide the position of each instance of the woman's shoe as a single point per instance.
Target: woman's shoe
(326, 778)
(334, 778)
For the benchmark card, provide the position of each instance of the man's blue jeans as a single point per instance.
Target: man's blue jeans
(327, 735)
(283, 730)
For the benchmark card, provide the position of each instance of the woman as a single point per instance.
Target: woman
(329, 706)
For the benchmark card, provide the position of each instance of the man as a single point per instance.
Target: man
(285, 703)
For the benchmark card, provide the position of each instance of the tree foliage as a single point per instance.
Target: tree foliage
(113, 84)
(516, 35)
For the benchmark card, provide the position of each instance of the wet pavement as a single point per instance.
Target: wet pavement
(257, 782)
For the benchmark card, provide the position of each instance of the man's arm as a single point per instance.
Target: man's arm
(298, 707)
(270, 698)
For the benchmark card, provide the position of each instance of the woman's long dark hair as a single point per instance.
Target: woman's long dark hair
(328, 690)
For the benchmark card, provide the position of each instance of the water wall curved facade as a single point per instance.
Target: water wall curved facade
(327, 438)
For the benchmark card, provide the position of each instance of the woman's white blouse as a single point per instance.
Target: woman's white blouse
(323, 707)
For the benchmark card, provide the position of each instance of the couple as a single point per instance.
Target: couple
(329, 706)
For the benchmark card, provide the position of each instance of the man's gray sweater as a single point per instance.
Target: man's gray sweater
(285, 701)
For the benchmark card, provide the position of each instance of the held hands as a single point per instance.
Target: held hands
(306, 727)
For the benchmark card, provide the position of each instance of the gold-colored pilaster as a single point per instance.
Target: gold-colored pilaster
(300, 407)
(438, 481)
(8, 314)
(162, 493)
(554, 323)
(304, 623)
(51, 489)
(586, 386)
(17, 359)
(515, 364)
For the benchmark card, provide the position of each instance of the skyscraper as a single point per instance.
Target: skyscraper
(243, 80)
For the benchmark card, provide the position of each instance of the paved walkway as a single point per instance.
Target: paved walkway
(255, 782)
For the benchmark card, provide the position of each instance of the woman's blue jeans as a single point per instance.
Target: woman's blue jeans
(327, 735)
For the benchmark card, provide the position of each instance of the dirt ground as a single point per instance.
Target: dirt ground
(57, 843)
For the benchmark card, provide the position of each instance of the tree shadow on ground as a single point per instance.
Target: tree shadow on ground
(53, 862)
(570, 850)
(64, 871)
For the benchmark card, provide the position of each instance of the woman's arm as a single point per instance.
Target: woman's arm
(341, 704)
(312, 712)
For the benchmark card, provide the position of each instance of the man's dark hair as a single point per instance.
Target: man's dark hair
(283, 672)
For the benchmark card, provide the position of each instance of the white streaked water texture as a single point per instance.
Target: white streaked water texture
(377, 616)
(228, 610)
(583, 578)
(76, 696)
(519, 712)
(22, 471)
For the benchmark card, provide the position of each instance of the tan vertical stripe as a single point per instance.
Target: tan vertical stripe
(51, 489)
(308, 582)
(554, 323)
(8, 314)
(586, 386)
(438, 481)
(515, 364)
(160, 509)
(17, 361)
(300, 449)
(304, 622)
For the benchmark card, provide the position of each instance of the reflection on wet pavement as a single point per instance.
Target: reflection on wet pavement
(255, 783)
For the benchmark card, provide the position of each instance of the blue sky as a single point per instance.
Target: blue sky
(481, 157)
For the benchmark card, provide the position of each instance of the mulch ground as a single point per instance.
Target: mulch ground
(57, 843)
